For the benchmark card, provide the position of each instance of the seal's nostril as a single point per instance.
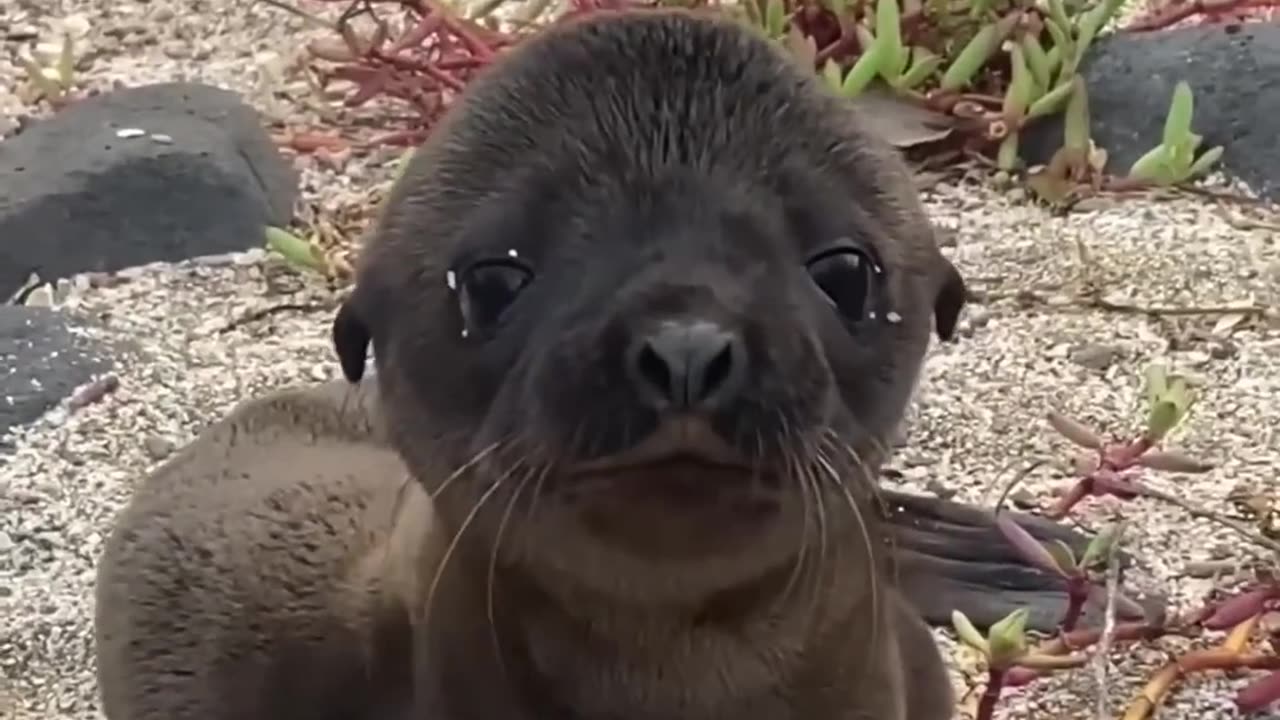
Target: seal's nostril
(718, 370)
(687, 366)
(651, 368)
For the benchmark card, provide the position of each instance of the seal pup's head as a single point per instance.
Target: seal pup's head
(652, 300)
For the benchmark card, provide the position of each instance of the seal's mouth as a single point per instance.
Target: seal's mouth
(681, 490)
(683, 462)
(681, 442)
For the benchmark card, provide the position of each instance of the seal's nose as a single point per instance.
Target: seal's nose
(688, 365)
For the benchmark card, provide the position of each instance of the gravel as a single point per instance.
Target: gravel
(981, 407)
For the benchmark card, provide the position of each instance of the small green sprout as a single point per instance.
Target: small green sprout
(1010, 660)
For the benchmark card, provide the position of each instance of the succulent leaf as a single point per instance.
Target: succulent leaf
(1052, 101)
(48, 87)
(1156, 379)
(1259, 694)
(889, 34)
(66, 62)
(1027, 545)
(833, 75)
(1153, 166)
(1236, 610)
(1021, 85)
(976, 53)
(1206, 160)
(926, 64)
(1101, 545)
(1075, 431)
(1075, 129)
(775, 17)
(1007, 154)
(1037, 61)
(967, 633)
(296, 251)
(1162, 419)
(1063, 555)
(1007, 639)
(1177, 124)
(1171, 461)
(863, 71)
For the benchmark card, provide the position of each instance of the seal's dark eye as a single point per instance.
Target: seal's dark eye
(487, 288)
(848, 277)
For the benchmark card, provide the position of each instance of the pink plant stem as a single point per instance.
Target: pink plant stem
(1075, 608)
(990, 695)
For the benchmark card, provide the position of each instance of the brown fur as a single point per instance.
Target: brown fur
(282, 567)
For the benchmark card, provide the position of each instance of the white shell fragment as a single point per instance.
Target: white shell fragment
(893, 317)
(127, 133)
(451, 280)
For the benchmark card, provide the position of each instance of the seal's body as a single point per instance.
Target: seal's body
(645, 310)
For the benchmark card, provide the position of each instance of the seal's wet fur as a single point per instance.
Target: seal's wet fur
(623, 200)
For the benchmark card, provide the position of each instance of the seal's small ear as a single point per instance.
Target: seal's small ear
(351, 338)
(949, 301)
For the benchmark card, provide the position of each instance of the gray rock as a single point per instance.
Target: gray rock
(1096, 356)
(1234, 74)
(158, 448)
(42, 360)
(154, 173)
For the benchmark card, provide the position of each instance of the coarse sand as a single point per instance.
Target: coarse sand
(1030, 346)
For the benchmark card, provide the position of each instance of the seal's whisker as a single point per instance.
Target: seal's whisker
(475, 459)
(496, 548)
(824, 531)
(793, 466)
(868, 544)
(871, 474)
(457, 538)
(792, 471)
(396, 505)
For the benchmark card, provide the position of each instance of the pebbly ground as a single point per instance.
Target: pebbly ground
(981, 406)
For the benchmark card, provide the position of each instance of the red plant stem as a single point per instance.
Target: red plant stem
(1177, 12)
(1082, 489)
(426, 27)
(1135, 451)
(1075, 606)
(459, 63)
(990, 694)
(1079, 639)
(473, 43)
(431, 70)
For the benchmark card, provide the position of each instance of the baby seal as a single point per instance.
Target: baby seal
(645, 310)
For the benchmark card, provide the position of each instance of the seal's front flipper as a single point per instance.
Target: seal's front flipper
(951, 556)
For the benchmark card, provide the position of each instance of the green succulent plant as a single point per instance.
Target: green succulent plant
(1174, 160)
(54, 77)
(1169, 401)
(884, 55)
(296, 251)
(1043, 81)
